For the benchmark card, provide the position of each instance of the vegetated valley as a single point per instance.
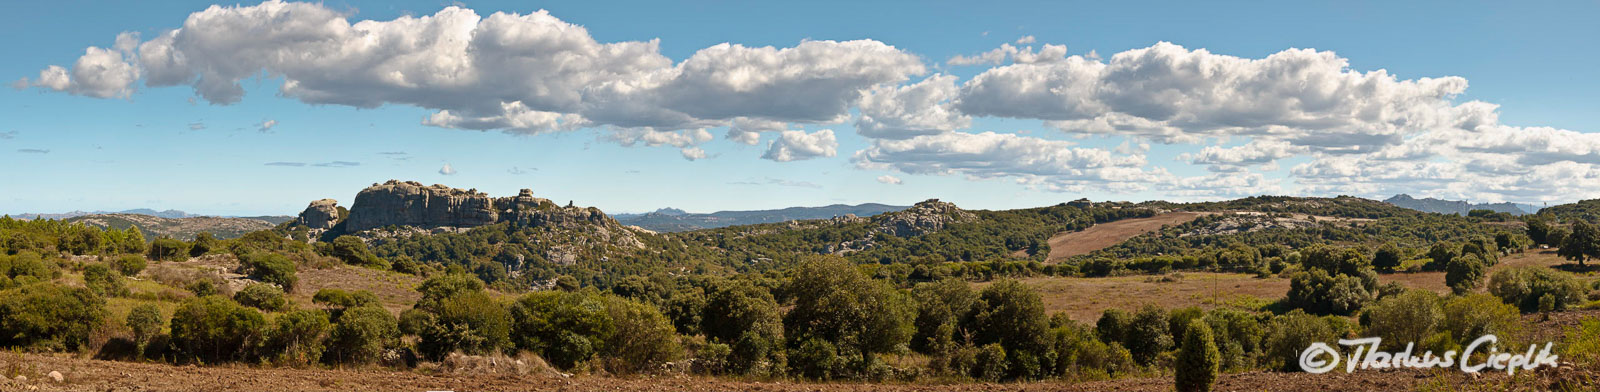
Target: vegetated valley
(418, 286)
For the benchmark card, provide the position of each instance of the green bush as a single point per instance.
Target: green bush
(1198, 360)
(204, 243)
(940, 308)
(1147, 335)
(99, 278)
(1011, 314)
(1316, 291)
(215, 329)
(1523, 287)
(990, 364)
(415, 321)
(262, 296)
(815, 359)
(361, 335)
(129, 265)
(471, 323)
(145, 321)
(168, 249)
(1471, 316)
(1388, 258)
(1581, 344)
(1293, 332)
(299, 338)
(740, 314)
(1409, 317)
(342, 299)
(566, 328)
(1465, 273)
(1112, 326)
(352, 250)
(644, 339)
(835, 302)
(271, 268)
(24, 268)
(444, 286)
(47, 316)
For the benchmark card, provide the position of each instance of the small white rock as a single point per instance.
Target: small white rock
(55, 375)
(22, 378)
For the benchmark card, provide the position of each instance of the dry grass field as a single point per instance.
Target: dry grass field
(1068, 244)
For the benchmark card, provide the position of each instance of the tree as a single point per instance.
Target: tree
(835, 302)
(1112, 326)
(1538, 229)
(130, 264)
(168, 249)
(352, 250)
(1198, 360)
(643, 338)
(271, 268)
(1388, 258)
(145, 321)
(299, 338)
(1408, 317)
(1318, 292)
(940, 307)
(48, 316)
(1524, 287)
(99, 278)
(215, 329)
(361, 335)
(1148, 334)
(1439, 255)
(566, 328)
(204, 243)
(469, 322)
(1583, 243)
(1291, 333)
(1011, 314)
(746, 317)
(1464, 273)
(261, 296)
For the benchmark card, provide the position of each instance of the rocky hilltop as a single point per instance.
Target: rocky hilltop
(413, 206)
(180, 228)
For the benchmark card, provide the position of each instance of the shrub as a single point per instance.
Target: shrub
(215, 329)
(129, 265)
(1409, 317)
(1582, 344)
(1318, 292)
(835, 302)
(299, 338)
(342, 299)
(352, 250)
(1440, 254)
(471, 323)
(1010, 314)
(1112, 325)
(145, 321)
(48, 316)
(1465, 273)
(361, 335)
(271, 268)
(1471, 316)
(643, 338)
(1147, 336)
(262, 296)
(24, 268)
(815, 359)
(414, 321)
(563, 327)
(741, 314)
(1178, 320)
(1079, 352)
(1291, 333)
(990, 363)
(1388, 258)
(204, 243)
(99, 278)
(168, 249)
(940, 307)
(444, 286)
(1198, 359)
(1523, 287)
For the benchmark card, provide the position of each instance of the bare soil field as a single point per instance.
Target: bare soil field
(97, 375)
(1435, 280)
(1097, 237)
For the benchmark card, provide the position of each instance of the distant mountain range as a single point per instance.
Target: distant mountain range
(674, 220)
(1456, 206)
(169, 214)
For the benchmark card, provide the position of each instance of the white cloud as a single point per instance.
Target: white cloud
(693, 153)
(1232, 159)
(520, 73)
(1026, 39)
(891, 180)
(748, 131)
(266, 126)
(447, 170)
(1056, 165)
(922, 108)
(1019, 55)
(799, 145)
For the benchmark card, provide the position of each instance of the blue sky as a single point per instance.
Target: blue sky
(142, 145)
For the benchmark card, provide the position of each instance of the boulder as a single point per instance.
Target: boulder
(321, 214)
(412, 204)
(56, 376)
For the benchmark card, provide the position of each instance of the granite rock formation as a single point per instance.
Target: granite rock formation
(321, 214)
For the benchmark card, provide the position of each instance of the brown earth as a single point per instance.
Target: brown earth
(1083, 299)
(1067, 244)
(97, 375)
(1435, 280)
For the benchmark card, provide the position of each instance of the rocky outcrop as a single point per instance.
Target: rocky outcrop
(412, 204)
(925, 217)
(320, 215)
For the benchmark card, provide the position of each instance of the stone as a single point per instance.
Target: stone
(55, 375)
(321, 214)
(412, 204)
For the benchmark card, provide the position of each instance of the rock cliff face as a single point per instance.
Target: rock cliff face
(412, 204)
(321, 214)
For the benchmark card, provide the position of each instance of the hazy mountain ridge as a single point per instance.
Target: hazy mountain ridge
(1457, 207)
(675, 220)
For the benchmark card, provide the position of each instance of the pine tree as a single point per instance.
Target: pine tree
(1198, 359)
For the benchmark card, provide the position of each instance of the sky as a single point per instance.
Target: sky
(260, 108)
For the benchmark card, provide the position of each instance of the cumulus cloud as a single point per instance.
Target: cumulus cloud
(519, 73)
(799, 145)
(922, 108)
(693, 153)
(1026, 39)
(748, 131)
(1233, 159)
(1019, 55)
(1056, 165)
(447, 170)
(891, 180)
(266, 126)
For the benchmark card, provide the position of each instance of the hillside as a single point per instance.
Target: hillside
(1457, 207)
(180, 228)
(668, 220)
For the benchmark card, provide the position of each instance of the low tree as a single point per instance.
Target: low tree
(262, 296)
(746, 318)
(1388, 258)
(1524, 287)
(299, 338)
(1582, 244)
(835, 302)
(1408, 317)
(1148, 334)
(1198, 360)
(271, 268)
(48, 316)
(204, 243)
(1538, 229)
(1463, 274)
(169, 249)
(129, 264)
(361, 335)
(216, 329)
(145, 321)
(99, 278)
